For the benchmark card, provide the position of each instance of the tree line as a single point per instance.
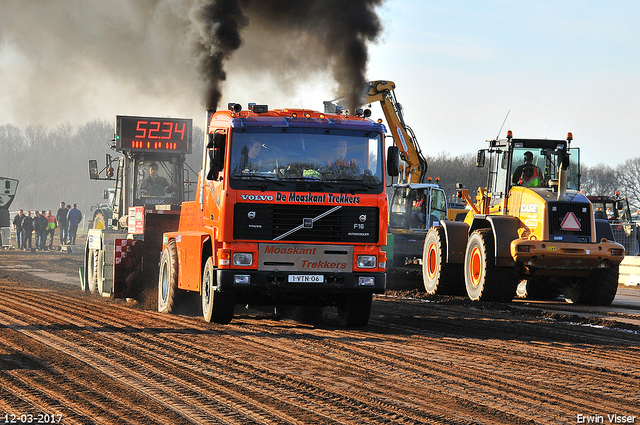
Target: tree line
(52, 166)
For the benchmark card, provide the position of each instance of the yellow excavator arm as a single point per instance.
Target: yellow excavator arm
(383, 92)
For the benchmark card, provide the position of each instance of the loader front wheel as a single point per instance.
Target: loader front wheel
(168, 278)
(438, 276)
(483, 279)
(217, 306)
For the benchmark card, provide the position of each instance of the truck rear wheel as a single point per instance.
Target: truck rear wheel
(438, 276)
(599, 287)
(355, 310)
(168, 278)
(217, 306)
(483, 279)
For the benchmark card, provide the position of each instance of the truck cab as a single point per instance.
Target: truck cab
(290, 210)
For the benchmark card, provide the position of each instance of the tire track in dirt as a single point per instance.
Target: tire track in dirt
(412, 364)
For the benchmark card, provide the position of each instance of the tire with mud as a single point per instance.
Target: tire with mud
(438, 276)
(599, 287)
(168, 279)
(98, 271)
(87, 281)
(355, 310)
(217, 306)
(483, 279)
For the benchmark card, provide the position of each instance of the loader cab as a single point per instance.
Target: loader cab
(511, 161)
(416, 207)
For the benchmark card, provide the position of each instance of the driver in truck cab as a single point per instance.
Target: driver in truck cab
(527, 174)
(340, 159)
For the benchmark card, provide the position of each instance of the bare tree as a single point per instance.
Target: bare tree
(629, 179)
(599, 180)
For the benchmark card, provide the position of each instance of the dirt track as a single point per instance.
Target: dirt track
(92, 360)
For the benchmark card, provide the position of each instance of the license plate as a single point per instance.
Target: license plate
(306, 278)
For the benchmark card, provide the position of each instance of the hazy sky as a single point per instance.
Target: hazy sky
(459, 66)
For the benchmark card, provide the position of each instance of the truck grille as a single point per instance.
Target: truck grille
(558, 212)
(305, 223)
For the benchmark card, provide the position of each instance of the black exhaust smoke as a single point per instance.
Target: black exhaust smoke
(221, 22)
(338, 32)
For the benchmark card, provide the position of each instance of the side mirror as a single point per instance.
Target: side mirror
(216, 147)
(480, 159)
(565, 163)
(393, 161)
(93, 169)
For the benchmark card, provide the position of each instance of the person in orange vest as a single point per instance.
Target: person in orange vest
(527, 174)
(51, 229)
(418, 211)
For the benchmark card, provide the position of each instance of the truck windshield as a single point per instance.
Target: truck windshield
(307, 155)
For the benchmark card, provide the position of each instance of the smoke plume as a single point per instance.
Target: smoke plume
(62, 59)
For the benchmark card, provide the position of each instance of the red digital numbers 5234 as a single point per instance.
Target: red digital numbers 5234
(159, 130)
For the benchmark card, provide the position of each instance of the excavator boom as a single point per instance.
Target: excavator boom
(383, 91)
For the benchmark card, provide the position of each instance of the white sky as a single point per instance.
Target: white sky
(459, 67)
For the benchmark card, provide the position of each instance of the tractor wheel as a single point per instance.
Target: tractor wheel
(438, 276)
(88, 270)
(483, 279)
(92, 283)
(355, 310)
(599, 287)
(98, 268)
(168, 279)
(217, 306)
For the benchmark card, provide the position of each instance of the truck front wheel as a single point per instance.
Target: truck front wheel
(168, 278)
(217, 306)
(354, 310)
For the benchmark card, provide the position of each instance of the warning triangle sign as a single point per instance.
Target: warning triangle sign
(570, 222)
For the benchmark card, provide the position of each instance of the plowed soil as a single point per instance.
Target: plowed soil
(82, 359)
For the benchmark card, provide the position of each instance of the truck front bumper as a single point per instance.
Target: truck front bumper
(544, 257)
(268, 287)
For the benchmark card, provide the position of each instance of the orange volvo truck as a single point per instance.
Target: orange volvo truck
(290, 211)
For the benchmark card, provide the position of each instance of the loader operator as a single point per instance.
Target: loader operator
(527, 174)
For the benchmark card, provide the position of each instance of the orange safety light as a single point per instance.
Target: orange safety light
(294, 115)
(307, 115)
(569, 136)
(429, 179)
(509, 134)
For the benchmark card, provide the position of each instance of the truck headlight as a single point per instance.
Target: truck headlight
(367, 261)
(242, 259)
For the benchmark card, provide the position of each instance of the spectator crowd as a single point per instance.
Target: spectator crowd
(44, 224)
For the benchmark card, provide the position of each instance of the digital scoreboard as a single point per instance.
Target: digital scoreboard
(148, 134)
